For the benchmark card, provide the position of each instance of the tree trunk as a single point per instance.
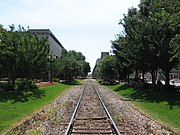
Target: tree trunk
(136, 75)
(13, 82)
(167, 78)
(153, 77)
(143, 76)
(9, 78)
(128, 78)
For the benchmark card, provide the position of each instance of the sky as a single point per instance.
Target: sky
(85, 26)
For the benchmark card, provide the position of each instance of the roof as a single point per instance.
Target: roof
(175, 71)
(45, 31)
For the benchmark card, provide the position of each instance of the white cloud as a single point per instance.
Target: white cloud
(68, 12)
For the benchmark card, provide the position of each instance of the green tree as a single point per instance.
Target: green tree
(9, 41)
(164, 16)
(80, 58)
(86, 69)
(108, 68)
(5, 51)
(22, 54)
(139, 30)
(72, 64)
(124, 56)
(150, 37)
(32, 55)
(68, 67)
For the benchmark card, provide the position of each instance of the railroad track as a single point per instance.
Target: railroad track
(91, 115)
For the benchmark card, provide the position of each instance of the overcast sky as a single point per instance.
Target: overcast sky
(86, 26)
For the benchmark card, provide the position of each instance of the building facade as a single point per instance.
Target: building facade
(174, 74)
(103, 54)
(55, 46)
(95, 72)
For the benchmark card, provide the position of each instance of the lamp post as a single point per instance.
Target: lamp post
(51, 61)
(51, 71)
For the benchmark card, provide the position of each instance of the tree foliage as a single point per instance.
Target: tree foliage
(150, 39)
(108, 68)
(86, 69)
(27, 56)
(22, 55)
(73, 64)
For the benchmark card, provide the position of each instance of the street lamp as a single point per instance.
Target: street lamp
(50, 57)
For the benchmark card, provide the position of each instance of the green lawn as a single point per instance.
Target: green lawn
(16, 106)
(161, 106)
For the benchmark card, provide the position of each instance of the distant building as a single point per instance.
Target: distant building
(103, 54)
(55, 46)
(174, 74)
(160, 75)
(97, 61)
(95, 72)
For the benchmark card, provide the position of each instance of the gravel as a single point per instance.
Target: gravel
(60, 115)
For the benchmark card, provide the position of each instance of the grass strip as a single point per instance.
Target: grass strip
(159, 105)
(14, 107)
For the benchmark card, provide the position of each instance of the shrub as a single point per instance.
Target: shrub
(26, 85)
(6, 87)
(56, 79)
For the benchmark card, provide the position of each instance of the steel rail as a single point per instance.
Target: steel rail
(74, 113)
(107, 112)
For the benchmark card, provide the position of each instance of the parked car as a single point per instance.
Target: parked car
(175, 80)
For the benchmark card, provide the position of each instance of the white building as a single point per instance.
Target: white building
(55, 46)
(174, 74)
